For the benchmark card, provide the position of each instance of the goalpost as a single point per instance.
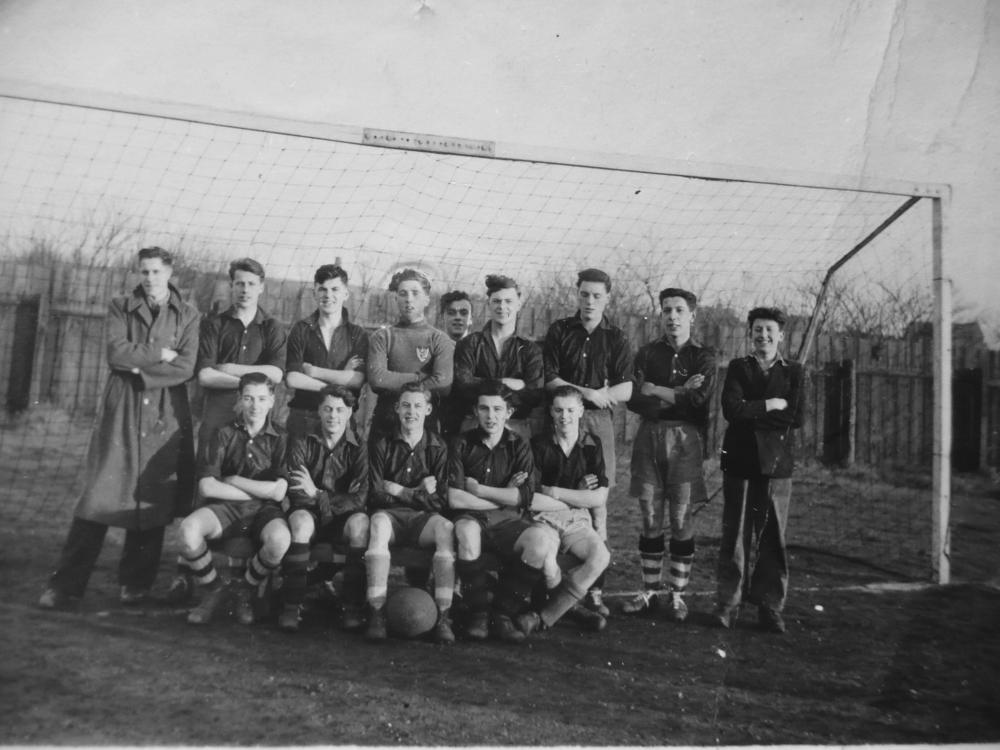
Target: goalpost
(86, 178)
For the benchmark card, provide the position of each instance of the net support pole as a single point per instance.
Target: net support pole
(941, 481)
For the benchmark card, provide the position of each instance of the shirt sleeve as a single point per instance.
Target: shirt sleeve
(533, 375)
(442, 369)
(644, 406)
(210, 459)
(208, 343)
(298, 457)
(693, 400)
(378, 459)
(295, 348)
(523, 461)
(550, 352)
(466, 382)
(736, 404)
(619, 359)
(353, 496)
(456, 465)
(275, 344)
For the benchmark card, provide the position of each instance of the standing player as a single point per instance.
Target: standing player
(241, 481)
(324, 349)
(490, 487)
(409, 350)
(589, 353)
(456, 312)
(673, 383)
(498, 353)
(140, 465)
(762, 400)
(240, 340)
(408, 493)
(570, 480)
(328, 475)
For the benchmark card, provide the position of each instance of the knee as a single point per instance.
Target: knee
(190, 533)
(357, 530)
(535, 546)
(444, 535)
(468, 539)
(380, 532)
(301, 527)
(275, 540)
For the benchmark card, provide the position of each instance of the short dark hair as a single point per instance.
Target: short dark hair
(415, 386)
(767, 313)
(329, 271)
(455, 295)
(565, 391)
(255, 378)
(409, 274)
(593, 274)
(495, 282)
(165, 256)
(689, 297)
(341, 392)
(246, 264)
(495, 388)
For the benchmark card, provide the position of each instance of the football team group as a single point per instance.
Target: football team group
(491, 452)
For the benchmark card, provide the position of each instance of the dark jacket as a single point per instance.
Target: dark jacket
(758, 442)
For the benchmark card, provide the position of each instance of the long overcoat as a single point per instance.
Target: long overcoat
(140, 465)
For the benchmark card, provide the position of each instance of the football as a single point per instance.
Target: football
(410, 612)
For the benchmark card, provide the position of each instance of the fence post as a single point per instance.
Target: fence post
(41, 330)
(941, 520)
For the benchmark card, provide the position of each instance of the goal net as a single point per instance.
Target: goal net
(84, 184)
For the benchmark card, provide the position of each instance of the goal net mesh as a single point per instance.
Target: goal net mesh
(81, 189)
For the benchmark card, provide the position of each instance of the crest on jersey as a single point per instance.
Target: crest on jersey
(423, 354)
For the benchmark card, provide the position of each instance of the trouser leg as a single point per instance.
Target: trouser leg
(78, 557)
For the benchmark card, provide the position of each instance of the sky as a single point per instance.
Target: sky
(873, 90)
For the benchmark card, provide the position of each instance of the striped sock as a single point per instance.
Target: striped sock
(294, 568)
(681, 560)
(201, 565)
(377, 567)
(651, 549)
(258, 571)
(443, 564)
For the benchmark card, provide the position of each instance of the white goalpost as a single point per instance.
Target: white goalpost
(853, 259)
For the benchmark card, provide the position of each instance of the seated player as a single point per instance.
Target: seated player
(490, 486)
(241, 482)
(408, 491)
(328, 475)
(569, 466)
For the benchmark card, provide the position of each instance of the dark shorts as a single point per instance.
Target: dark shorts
(665, 454)
(245, 517)
(331, 532)
(500, 537)
(407, 524)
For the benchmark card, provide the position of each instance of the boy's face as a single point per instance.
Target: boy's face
(331, 295)
(766, 336)
(412, 409)
(458, 318)
(592, 297)
(676, 318)
(334, 415)
(504, 305)
(245, 289)
(154, 277)
(566, 412)
(492, 414)
(256, 400)
(412, 301)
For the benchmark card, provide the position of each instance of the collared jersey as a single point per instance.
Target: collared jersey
(339, 473)
(469, 456)
(225, 340)
(660, 364)
(394, 460)
(234, 452)
(306, 344)
(477, 360)
(590, 360)
(553, 468)
(760, 442)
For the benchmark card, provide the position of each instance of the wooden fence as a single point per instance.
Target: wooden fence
(52, 352)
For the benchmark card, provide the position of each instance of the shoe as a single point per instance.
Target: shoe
(211, 602)
(770, 620)
(529, 622)
(290, 617)
(478, 628)
(504, 630)
(588, 618)
(594, 601)
(181, 590)
(643, 603)
(243, 604)
(376, 624)
(352, 618)
(53, 599)
(442, 631)
(722, 616)
(677, 610)
(132, 596)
